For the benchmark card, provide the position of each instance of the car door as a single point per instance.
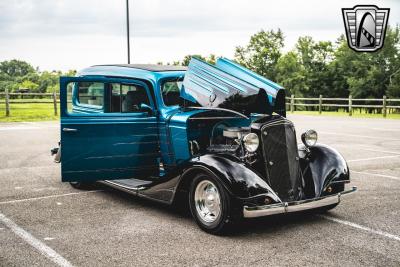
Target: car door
(106, 133)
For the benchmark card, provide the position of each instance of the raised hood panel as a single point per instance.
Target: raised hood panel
(231, 86)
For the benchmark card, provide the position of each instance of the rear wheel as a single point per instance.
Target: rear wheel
(210, 204)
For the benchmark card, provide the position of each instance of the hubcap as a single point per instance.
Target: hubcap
(207, 201)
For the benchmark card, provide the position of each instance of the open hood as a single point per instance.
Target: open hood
(231, 86)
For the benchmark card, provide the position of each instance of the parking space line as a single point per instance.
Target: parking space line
(366, 159)
(51, 196)
(383, 151)
(361, 136)
(367, 148)
(379, 175)
(361, 227)
(385, 129)
(35, 243)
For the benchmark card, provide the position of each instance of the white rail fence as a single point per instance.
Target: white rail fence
(382, 105)
(28, 98)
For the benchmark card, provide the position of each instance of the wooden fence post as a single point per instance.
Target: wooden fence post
(384, 110)
(7, 103)
(350, 107)
(320, 104)
(292, 103)
(55, 103)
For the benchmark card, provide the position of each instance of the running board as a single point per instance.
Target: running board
(132, 186)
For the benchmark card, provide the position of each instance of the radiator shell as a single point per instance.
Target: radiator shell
(281, 159)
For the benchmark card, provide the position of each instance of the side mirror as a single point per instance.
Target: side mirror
(146, 108)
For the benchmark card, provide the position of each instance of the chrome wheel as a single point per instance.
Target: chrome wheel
(207, 201)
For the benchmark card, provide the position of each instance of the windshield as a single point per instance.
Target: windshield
(170, 91)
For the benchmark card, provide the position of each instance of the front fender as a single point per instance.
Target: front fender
(323, 166)
(238, 178)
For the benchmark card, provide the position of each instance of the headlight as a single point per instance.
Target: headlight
(309, 138)
(251, 142)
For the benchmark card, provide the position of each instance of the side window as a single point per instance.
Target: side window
(127, 98)
(85, 97)
(91, 93)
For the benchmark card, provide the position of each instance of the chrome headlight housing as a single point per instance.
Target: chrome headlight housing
(251, 142)
(309, 138)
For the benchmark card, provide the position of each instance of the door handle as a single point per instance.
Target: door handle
(69, 130)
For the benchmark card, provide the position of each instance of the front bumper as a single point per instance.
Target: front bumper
(285, 207)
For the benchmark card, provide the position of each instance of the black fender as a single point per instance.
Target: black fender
(322, 166)
(238, 178)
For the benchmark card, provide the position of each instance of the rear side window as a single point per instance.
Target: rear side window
(85, 97)
(91, 93)
(127, 98)
(98, 97)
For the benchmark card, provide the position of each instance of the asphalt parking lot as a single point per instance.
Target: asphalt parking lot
(44, 222)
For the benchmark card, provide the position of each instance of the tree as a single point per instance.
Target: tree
(369, 75)
(291, 74)
(16, 68)
(393, 90)
(262, 53)
(16, 74)
(185, 62)
(187, 58)
(315, 58)
(28, 85)
(12, 73)
(48, 81)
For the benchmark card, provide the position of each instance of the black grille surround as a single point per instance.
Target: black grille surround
(281, 158)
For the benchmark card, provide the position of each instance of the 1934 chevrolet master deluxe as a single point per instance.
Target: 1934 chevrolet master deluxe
(213, 135)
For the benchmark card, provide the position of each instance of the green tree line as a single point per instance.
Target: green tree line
(16, 75)
(325, 68)
(312, 68)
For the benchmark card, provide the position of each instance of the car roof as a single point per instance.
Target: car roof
(141, 71)
(149, 67)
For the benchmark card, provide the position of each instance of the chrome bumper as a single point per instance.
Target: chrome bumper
(285, 207)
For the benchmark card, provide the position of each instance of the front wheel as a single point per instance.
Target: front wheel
(210, 204)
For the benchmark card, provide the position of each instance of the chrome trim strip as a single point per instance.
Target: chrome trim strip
(285, 207)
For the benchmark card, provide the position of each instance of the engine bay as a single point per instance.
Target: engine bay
(220, 133)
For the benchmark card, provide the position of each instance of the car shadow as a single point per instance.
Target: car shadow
(264, 225)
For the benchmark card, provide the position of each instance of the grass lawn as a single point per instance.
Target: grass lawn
(356, 114)
(28, 112)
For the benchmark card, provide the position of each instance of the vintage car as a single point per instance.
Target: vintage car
(215, 136)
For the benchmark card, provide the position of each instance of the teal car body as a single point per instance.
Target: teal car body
(152, 130)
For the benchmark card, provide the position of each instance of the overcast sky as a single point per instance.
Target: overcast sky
(72, 34)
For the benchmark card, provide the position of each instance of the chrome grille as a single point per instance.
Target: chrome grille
(281, 159)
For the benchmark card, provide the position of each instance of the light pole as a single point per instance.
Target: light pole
(127, 31)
